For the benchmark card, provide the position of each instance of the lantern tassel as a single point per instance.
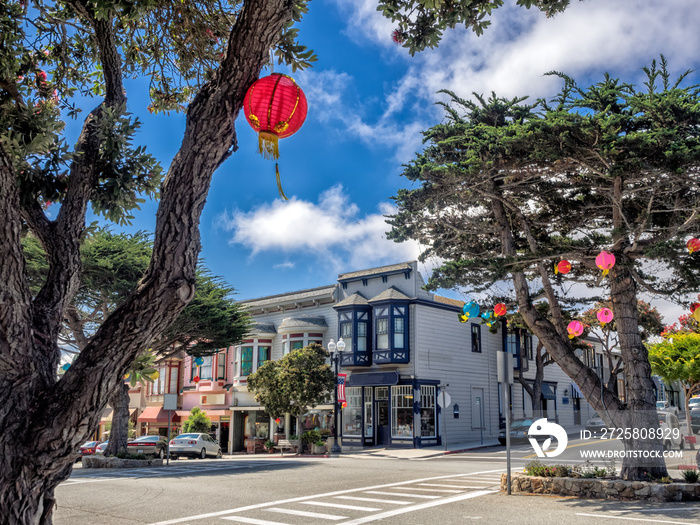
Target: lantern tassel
(268, 145)
(279, 183)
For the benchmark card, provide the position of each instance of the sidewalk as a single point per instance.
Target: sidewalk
(417, 453)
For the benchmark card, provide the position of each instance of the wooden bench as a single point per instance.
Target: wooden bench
(288, 444)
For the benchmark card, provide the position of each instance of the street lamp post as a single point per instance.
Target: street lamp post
(336, 350)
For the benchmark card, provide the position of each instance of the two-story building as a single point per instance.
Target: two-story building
(403, 346)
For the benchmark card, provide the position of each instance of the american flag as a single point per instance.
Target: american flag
(341, 387)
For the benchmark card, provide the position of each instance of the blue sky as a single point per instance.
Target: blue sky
(368, 101)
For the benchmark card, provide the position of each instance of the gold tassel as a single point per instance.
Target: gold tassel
(268, 145)
(279, 182)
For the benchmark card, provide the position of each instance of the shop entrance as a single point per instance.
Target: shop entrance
(382, 422)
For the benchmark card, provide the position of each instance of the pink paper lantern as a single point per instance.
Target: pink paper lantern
(605, 261)
(605, 315)
(575, 328)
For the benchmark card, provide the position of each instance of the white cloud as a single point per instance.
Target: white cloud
(332, 230)
(286, 265)
(513, 55)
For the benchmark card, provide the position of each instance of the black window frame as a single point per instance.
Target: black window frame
(476, 348)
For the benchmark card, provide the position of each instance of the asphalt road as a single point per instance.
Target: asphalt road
(269, 490)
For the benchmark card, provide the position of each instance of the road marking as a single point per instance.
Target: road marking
(422, 496)
(307, 514)
(420, 506)
(376, 500)
(448, 486)
(313, 496)
(253, 521)
(435, 490)
(626, 518)
(341, 506)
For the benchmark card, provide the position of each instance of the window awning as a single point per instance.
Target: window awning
(374, 379)
(157, 415)
(108, 413)
(576, 392)
(547, 392)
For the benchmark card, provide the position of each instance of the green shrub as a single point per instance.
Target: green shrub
(269, 444)
(535, 468)
(310, 436)
(691, 475)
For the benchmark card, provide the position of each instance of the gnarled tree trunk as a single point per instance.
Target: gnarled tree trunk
(119, 433)
(43, 421)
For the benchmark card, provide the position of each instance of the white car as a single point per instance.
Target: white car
(664, 406)
(673, 435)
(694, 402)
(194, 446)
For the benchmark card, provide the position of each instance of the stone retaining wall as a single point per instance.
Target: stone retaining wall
(112, 462)
(603, 489)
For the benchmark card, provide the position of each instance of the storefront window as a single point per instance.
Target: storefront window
(321, 420)
(368, 412)
(402, 411)
(427, 411)
(352, 413)
(257, 424)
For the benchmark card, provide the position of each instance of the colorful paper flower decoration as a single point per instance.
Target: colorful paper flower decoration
(605, 261)
(562, 267)
(575, 328)
(470, 309)
(488, 318)
(126, 376)
(65, 367)
(693, 307)
(693, 245)
(155, 375)
(195, 379)
(463, 318)
(277, 420)
(500, 309)
(605, 315)
(199, 361)
(275, 107)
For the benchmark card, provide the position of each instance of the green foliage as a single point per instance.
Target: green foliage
(553, 165)
(677, 358)
(197, 422)
(421, 22)
(142, 369)
(311, 437)
(269, 444)
(536, 468)
(296, 383)
(690, 475)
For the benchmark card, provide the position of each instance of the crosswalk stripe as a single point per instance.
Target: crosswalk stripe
(341, 506)
(252, 521)
(375, 500)
(435, 490)
(307, 514)
(422, 496)
(441, 485)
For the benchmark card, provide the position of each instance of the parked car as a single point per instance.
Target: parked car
(595, 424)
(518, 431)
(664, 406)
(88, 448)
(694, 402)
(149, 445)
(195, 446)
(695, 419)
(101, 447)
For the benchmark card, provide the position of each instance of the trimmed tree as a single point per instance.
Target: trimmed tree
(295, 384)
(506, 192)
(197, 422)
(677, 358)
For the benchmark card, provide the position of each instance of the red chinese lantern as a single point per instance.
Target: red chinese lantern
(605, 261)
(563, 267)
(277, 420)
(693, 245)
(605, 315)
(575, 328)
(500, 309)
(195, 379)
(693, 307)
(275, 107)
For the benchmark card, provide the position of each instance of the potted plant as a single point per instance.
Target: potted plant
(269, 446)
(319, 447)
(310, 437)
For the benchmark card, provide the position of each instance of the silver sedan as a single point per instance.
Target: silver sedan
(194, 445)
